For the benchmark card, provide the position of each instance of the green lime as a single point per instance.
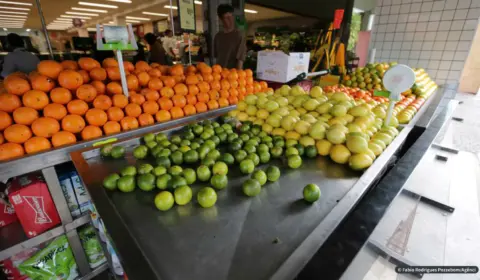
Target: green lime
(159, 170)
(164, 153)
(175, 139)
(175, 170)
(198, 140)
(151, 145)
(126, 183)
(250, 149)
(129, 170)
(216, 124)
(291, 151)
(234, 146)
(173, 147)
(146, 182)
(251, 187)
(279, 143)
(164, 200)
(198, 129)
(195, 146)
(177, 157)
(226, 126)
(185, 142)
(260, 176)
(160, 137)
(263, 134)
(244, 137)
(110, 182)
(106, 150)
(163, 181)
(245, 127)
(184, 149)
(291, 142)
(189, 175)
(311, 151)
(210, 143)
(203, 151)
(247, 166)
(269, 145)
(252, 142)
(300, 149)
(164, 143)
(156, 150)
(178, 181)
(294, 161)
(219, 181)
(215, 154)
(262, 148)
(239, 141)
(219, 130)
(264, 157)
(255, 158)
(256, 129)
(266, 139)
(276, 152)
(205, 135)
(149, 137)
(190, 156)
(203, 173)
(145, 168)
(273, 173)
(183, 195)
(232, 137)
(208, 161)
(188, 135)
(163, 161)
(222, 136)
(220, 168)
(207, 197)
(311, 193)
(117, 152)
(215, 139)
(240, 155)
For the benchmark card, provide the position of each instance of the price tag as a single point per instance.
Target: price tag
(396, 80)
(186, 13)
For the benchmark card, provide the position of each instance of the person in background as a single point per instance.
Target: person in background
(157, 53)
(19, 59)
(229, 45)
(169, 44)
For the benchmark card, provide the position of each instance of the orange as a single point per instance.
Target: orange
(242, 91)
(143, 78)
(201, 107)
(70, 79)
(256, 87)
(128, 66)
(223, 102)
(96, 117)
(216, 77)
(191, 69)
(217, 68)
(212, 104)
(233, 76)
(181, 89)
(73, 123)
(206, 70)
(85, 76)
(98, 74)
(55, 111)
(9, 102)
(17, 133)
(225, 73)
(165, 103)
(232, 100)
(191, 80)
(168, 81)
(203, 97)
(201, 65)
(264, 85)
(35, 99)
(137, 99)
(37, 144)
(11, 150)
(179, 101)
(191, 99)
(176, 113)
(114, 88)
(241, 74)
(145, 119)
(189, 110)
(102, 102)
(86, 93)
(176, 70)
(133, 110)
(155, 84)
(16, 86)
(150, 107)
(45, 127)
(203, 87)
(115, 114)
(249, 80)
(142, 66)
(77, 107)
(87, 63)
(224, 93)
(193, 89)
(69, 64)
(150, 94)
(62, 138)
(25, 115)
(167, 92)
(91, 132)
(99, 86)
(225, 84)
(163, 116)
(42, 83)
(113, 73)
(129, 123)
(234, 84)
(60, 95)
(109, 62)
(132, 82)
(49, 68)
(154, 73)
(5, 120)
(215, 85)
(120, 100)
(249, 73)
(208, 77)
(213, 94)
(164, 69)
(111, 127)
(233, 92)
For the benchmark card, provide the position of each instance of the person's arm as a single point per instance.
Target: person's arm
(241, 52)
(8, 65)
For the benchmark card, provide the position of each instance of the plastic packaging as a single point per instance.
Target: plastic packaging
(91, 245)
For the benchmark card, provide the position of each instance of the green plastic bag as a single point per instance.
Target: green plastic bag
(91, 245)
(54, 262)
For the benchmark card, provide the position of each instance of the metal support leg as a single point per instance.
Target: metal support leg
(390, 256)
(44, 27)
(429, 201)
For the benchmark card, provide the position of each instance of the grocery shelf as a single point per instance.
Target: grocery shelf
(13, 239)
(54, 157)
(95, 272)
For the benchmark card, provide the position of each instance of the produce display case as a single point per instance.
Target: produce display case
(270, 236)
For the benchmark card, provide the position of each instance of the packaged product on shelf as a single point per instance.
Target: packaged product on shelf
(83, 197)
(91, 245)
(69, 193)
(33, 204)
(54, 262)
(7, 213)
(9, 266)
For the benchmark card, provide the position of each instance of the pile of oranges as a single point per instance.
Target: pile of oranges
(65, 102)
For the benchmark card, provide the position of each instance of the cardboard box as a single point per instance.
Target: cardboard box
(7, 214)
(277, 66)
(33, 204)
(83, 197)
(69, 193)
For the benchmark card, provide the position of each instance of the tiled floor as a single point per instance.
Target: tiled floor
(425, 235)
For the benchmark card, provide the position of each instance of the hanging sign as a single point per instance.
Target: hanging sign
(337, 19)
(186, 12)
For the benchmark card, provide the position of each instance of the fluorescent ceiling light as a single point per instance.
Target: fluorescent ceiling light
(139, 18)
(14, 8)
(198, 2)
(91, 29)
(82, 14)
(250, 11)
(90, 10)
(5, 29)
(69, 16)
(15, 13)
(28, 30)
(12, 19)
(12, 16)
(98, 5)
(121, 1)
(171, 7)
(155, 14)
(16, 3)
(111, 22)
(133, 21)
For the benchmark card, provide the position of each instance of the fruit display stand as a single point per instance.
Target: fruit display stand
(270, 236)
